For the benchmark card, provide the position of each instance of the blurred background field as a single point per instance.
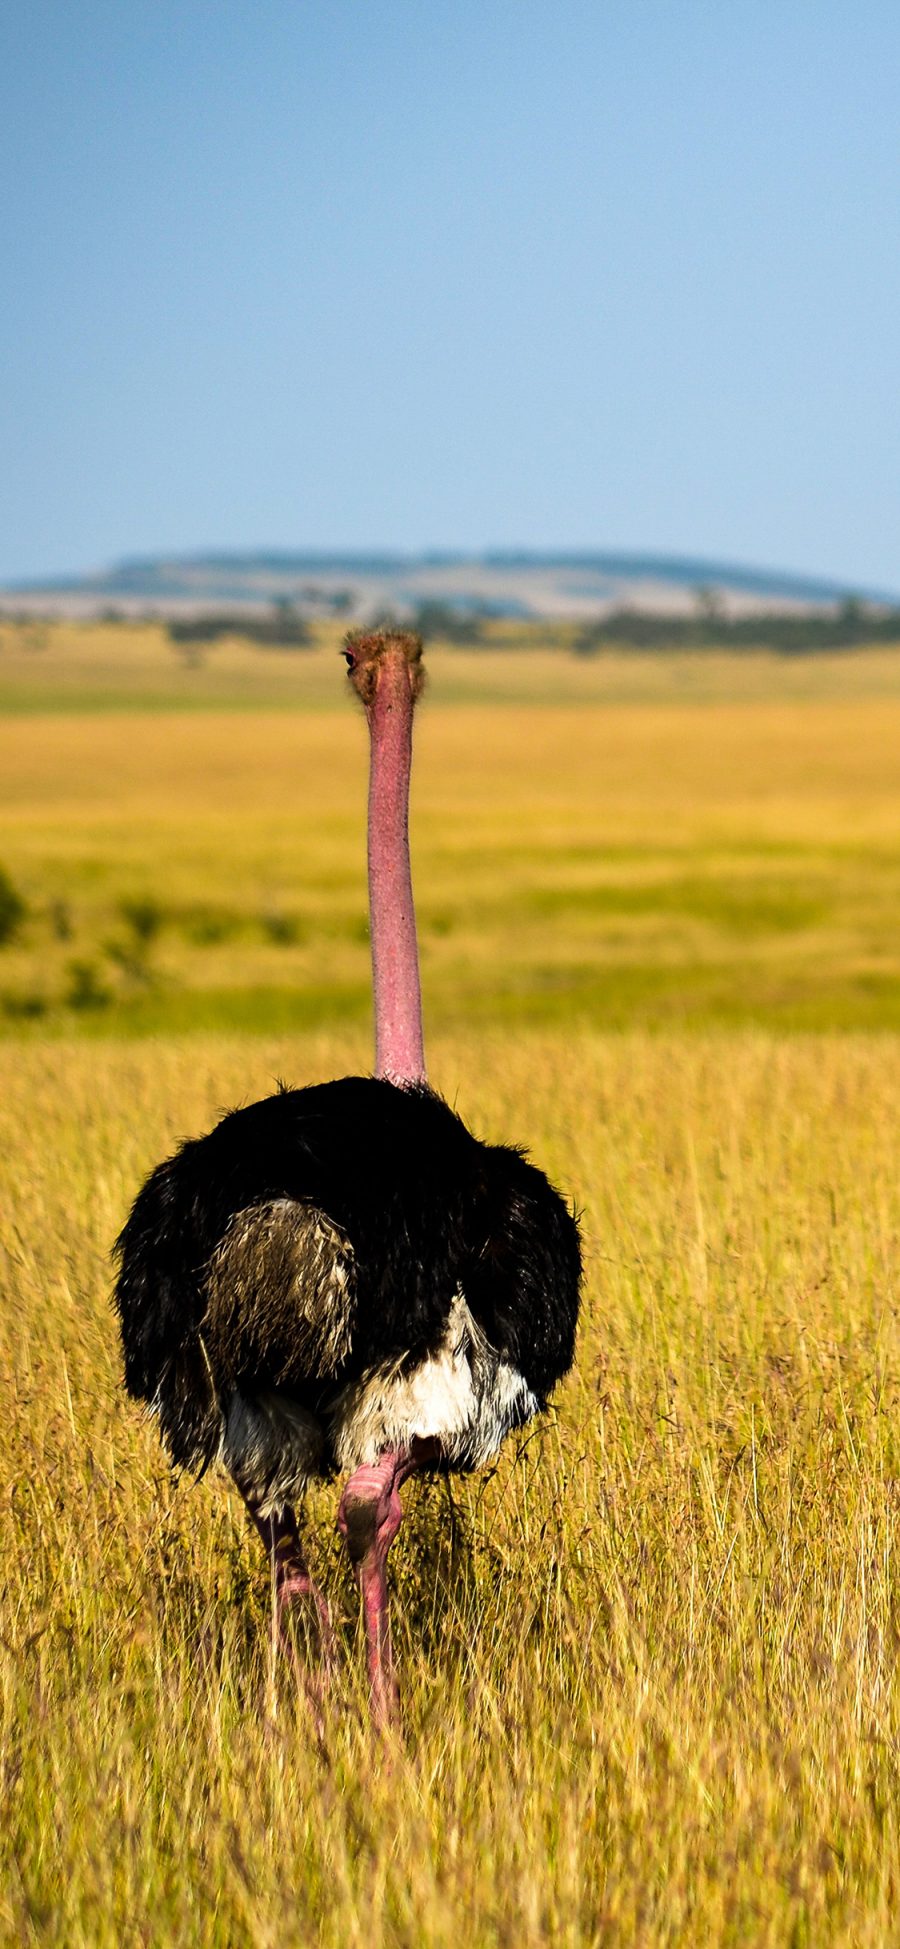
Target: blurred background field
(677, 839)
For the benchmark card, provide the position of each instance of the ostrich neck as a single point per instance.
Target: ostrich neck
(399, 1050)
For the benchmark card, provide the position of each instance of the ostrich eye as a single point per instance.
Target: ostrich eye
(349, 659)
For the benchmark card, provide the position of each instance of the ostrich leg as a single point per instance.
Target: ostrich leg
(292, 1578)
(369, 1517)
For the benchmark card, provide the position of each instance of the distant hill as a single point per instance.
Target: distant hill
(501, 583)
(497, 583)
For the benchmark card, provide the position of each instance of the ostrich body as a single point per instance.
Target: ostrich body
(342, 1278)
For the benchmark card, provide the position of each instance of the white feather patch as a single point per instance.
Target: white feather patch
(464, 1395)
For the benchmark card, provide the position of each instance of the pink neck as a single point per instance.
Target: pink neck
(399, 1049)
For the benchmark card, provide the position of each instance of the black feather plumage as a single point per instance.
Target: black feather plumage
(427, 1209)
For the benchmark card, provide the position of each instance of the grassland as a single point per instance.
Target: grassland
(649, 1662)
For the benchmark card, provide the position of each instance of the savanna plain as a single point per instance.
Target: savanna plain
(649, 1662)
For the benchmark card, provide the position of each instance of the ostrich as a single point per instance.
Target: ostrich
(342, 1278)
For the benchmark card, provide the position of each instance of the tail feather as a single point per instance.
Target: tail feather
(281, 1294)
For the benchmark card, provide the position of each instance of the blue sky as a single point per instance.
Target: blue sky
(406, 273)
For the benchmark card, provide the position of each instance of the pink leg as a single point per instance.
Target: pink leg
(369, 1517)
(292, 1579)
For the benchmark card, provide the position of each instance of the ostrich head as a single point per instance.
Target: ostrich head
(383, 658)
(386, 672)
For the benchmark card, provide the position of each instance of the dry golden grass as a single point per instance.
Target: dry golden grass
(649, 1665)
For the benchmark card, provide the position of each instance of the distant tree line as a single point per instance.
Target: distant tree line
(284, 625)
(281, 627)
(790, 632)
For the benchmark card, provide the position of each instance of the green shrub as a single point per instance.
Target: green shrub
(86, 988)
(144, 915)
(12, 908)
